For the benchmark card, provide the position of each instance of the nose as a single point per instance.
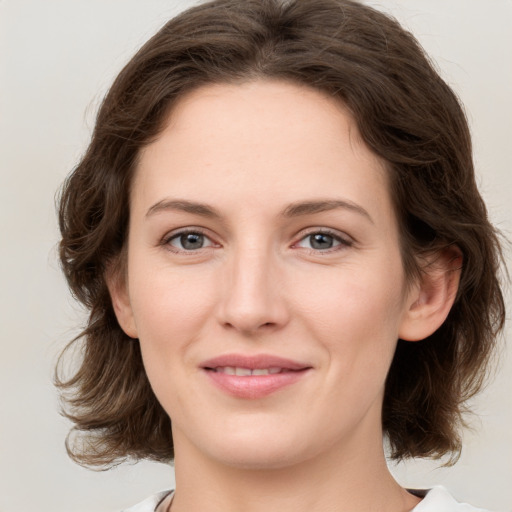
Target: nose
(253, 294)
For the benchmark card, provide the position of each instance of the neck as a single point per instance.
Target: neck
(340, 480)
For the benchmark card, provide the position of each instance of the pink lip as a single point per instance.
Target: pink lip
(254, 386)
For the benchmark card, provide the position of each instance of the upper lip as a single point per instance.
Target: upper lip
(253, 362)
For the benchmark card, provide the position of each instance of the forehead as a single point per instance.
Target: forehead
(263, 111)
(261, 138)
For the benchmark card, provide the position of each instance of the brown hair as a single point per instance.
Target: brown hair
(405, 113)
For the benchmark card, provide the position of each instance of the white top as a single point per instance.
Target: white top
(437, 499)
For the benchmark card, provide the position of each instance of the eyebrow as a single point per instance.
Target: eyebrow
(311, 207)
(297, 209)
(201, 209)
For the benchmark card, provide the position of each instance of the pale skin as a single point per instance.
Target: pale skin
(261, 224)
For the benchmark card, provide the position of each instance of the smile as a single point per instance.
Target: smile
(253, 377)
(246, 372)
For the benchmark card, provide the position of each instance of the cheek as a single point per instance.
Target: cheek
(171, 312)
(352, 300)
(170, 307)
(355, 314)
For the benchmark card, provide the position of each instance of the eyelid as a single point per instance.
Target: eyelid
(344, 239)
(176, 233)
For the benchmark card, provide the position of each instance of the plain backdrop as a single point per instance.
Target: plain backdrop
(57, 60)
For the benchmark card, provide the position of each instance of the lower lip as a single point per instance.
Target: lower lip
(254, 386)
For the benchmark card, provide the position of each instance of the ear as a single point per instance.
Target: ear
(118, 289)
(433, 294)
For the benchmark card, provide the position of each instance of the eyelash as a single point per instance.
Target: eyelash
(342, 242)
(166, 241)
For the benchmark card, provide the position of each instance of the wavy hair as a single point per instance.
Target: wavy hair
(406, 114)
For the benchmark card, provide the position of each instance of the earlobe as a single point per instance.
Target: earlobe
(118, 289)
(432, 297)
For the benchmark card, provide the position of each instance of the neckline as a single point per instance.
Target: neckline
(166, 500)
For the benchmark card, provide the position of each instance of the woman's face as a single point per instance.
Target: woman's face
(264, 275)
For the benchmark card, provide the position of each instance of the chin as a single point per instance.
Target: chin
(258, 449)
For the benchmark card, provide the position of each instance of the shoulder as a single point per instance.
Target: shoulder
(149, 504)
(438, 499)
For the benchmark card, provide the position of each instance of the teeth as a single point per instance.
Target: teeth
(245, 372)
(261, 371)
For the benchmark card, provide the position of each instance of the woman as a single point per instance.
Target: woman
(278, 235)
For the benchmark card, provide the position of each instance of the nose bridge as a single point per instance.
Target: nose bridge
(252, 298)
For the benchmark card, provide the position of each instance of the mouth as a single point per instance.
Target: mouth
(247, 372)
(251, 377)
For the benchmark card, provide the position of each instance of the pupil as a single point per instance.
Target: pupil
(192, 241)
(321, 241)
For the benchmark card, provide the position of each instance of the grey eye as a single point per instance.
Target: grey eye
(322, 241)
(190, 241)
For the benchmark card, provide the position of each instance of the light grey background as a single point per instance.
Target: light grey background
(57, 59)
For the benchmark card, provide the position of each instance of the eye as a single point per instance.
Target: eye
(188, 241)
(322, 241)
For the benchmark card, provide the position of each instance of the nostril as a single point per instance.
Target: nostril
(255, 326)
